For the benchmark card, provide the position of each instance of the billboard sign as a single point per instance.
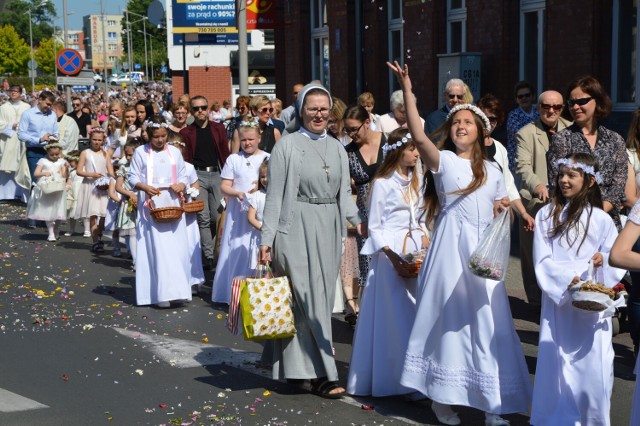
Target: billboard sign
(219, 16)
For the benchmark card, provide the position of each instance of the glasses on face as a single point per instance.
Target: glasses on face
(180, 113)
(241, 107)
(452, 96)
(324, 112)
(199, 108)
(549, 107)
(352, 130)
(492, 119)
(76, 105)
(579, 102)
(524, 95)
(266, 110)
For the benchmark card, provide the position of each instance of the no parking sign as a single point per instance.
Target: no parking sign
(69, 61)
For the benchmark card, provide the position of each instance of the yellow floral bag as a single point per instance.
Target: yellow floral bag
(265, 306)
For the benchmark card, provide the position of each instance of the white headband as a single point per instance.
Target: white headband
(153, 125)
(578, 165)
(390, 147)
(477, 111)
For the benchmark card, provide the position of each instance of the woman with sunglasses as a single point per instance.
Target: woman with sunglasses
(365, 155)
(588, 103)
(261, 110)
(519, 117)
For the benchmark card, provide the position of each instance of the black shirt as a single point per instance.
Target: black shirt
(83, 121)
(205, 154)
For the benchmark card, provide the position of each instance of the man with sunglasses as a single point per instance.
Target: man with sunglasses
(454, 93)
(207, 149)
(82, 119)
(11, 150)
(533, 142)
(519, 117)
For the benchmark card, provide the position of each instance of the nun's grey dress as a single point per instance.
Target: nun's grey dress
(304, 221)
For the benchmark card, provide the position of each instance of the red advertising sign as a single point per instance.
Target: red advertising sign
(261, 14)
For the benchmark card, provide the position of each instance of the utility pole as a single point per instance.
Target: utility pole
(243, 62)
(104, 54)
(67, 88)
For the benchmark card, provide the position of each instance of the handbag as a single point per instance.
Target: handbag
(491, 258)
(264, 306)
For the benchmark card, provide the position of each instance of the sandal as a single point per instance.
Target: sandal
(96, 247)
(323, 388)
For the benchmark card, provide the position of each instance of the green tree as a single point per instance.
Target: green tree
(45, 57)
(14, 51)
(42, 14)
(159, 36)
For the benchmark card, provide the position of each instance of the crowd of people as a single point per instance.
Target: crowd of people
(342, 201)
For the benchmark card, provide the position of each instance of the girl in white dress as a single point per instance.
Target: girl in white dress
(163, 268)
(197, 272)
(128, 212)
(256, 209)
(463, 348)
(574, 373)
(51, 208)
(73, 187)
(239, 176)
(388, 305)
(92, 201)
(623, 256)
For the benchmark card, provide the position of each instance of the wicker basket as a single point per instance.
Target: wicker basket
(410, 269)
(194, 206)
(590, 296)
(165, 214)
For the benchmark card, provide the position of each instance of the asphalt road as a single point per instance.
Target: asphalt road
(75, 350)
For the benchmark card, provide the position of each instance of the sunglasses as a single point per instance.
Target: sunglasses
(266, 110)
(76, 104)
(524, 95)
(451, 96)
(548, 107)
(199, 108)
(352, 130)
(492, 119)
(580, 102)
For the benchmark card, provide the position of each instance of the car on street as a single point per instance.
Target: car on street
(129, 78)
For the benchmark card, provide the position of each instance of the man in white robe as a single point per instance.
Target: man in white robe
(14, 173)
(69, 131)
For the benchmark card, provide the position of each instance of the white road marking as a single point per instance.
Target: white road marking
(183, 353)
(11, 402)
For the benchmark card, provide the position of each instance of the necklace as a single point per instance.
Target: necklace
(325, 167)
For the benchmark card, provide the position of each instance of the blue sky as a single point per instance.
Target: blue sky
(81, 8)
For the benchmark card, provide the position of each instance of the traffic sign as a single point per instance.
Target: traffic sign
(32, 64)
(137, 66)
(75, 81)
(164, 69)
(69, 61)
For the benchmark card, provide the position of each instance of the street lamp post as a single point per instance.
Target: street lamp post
(150, 49)
(144, 29)
(33, 71)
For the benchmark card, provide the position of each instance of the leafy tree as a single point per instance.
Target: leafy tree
(45, 57)
(159, 35)
(14, 51)
(42, 14)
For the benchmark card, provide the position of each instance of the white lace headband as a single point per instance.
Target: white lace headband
(390, 147)
(177, 142)
(477, 111)
(578, 165)
(96, 130)
(153, 125)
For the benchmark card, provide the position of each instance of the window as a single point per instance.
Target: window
(320, 42)
(456, 26)
(112, 34)
(531, 42)
(395, 37)
(113, 47)
(111, 22)
(624, 58)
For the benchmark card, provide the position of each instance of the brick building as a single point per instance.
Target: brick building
(345, 44)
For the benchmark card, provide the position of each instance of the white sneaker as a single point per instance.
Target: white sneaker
(87, 235)
(163, 304)
(68, 234)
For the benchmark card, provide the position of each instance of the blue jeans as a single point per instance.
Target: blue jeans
(211, 194)
(633, 303)
(33, 156)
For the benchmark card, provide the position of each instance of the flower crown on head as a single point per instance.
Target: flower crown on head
(477, 111)
(72, 158)
(390, 147)
(52, 145)
(116, 119)
(177, 142)
(578, 165)
(153, 125)
(96, 130)
(252, 124)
